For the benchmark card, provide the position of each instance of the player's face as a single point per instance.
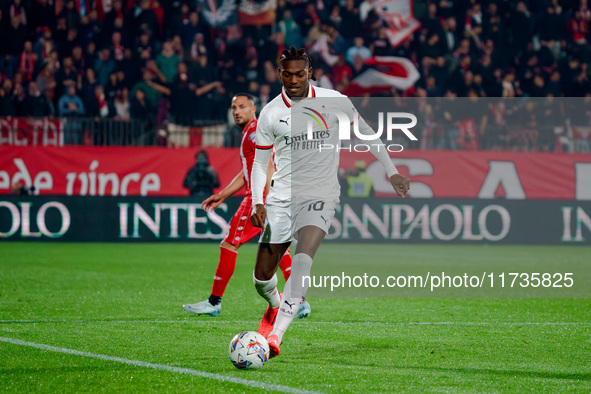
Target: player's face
(243, 110)
(294, 77)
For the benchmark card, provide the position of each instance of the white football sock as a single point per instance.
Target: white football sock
(293, 292)
(268, 290)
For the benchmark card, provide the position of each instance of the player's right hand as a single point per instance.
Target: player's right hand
(401, 184)
(212, 202)
(259, 214)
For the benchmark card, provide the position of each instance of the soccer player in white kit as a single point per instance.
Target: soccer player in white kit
(304, 189)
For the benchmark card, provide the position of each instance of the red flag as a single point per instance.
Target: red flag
(257, 12)
(399, 18)
(386, 72)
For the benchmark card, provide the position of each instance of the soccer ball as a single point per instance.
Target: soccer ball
(248, 350)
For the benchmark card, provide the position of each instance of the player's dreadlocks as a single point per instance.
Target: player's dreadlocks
(296, 54)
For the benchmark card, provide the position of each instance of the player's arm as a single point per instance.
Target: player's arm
(270, 172)
(212, 202)
(260, 168)
(399, 182)
(259, 179)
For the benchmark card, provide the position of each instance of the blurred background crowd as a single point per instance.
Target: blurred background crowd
(164, 61)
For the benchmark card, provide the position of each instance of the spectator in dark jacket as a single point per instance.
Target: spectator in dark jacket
(104, 66)
(7, 101)
(35, 104)
(66, 76)
(202, 178)
(142, 113)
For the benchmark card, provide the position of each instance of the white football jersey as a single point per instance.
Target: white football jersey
(302, 167)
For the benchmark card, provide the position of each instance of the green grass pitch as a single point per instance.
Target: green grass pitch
(124, 301)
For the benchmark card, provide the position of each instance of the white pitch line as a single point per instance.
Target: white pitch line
(251, 322)
(163, 367)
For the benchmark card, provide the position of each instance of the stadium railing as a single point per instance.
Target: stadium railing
(29, 131)
(84, 131)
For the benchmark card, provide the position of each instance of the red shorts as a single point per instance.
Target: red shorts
(241, 229)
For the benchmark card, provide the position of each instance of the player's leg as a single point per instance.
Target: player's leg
(312, 222)
(285, 265)
(240, 232)
(309, 240)
(224, 271)
(275, 240)
(265, 281)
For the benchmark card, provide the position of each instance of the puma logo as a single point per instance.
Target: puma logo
(325, 221)
(290, 305)
(284, 121)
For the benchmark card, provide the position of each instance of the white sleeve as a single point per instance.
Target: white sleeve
(264, 137)
(259, 174)
(264, 150)
(376, 147)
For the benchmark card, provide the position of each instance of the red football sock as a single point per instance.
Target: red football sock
(285, 265)
(224, 271)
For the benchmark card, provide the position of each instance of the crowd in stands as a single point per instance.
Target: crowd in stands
(159, 61)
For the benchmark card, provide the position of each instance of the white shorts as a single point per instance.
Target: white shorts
(286, 218)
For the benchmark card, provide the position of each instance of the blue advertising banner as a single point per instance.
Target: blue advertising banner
(374, 220)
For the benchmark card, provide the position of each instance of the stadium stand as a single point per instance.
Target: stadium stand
(145, 71)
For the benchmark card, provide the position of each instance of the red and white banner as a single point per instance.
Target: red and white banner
(31, 131)
(386, 72)
(257, 12)
(108, 171)
(105, 171)
(399, 17)
(483, 174)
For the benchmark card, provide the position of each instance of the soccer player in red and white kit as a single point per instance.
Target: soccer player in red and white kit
(241, 229)
(304, 189)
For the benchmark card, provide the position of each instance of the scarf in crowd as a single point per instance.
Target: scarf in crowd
(46, 47)
(118, 52)
(27, 64)
(103, 107)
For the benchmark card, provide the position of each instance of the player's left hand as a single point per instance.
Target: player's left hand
(212, 202)
(401, 184)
